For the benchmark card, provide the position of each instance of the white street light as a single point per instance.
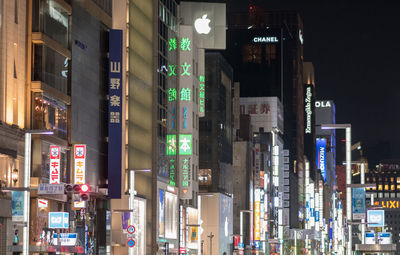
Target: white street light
(132, 196)
(27, 184)
(347, 127)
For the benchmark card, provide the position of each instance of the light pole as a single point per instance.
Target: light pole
(347, 127)
(241, 226)
(132, 196)
(27, 184)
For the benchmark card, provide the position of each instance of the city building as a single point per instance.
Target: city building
(385, 195)
(266, 52)
(13, 117)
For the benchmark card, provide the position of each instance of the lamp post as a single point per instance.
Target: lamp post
(27, 183)
(132, 193)
(241, 227)
(347, 128)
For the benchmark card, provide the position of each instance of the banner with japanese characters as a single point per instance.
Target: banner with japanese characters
(54, 165)
(187, 109)
(115, 114)
(79, 163)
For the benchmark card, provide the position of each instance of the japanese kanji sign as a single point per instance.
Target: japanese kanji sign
(172, 172)
(171, 145)
(54, 165)
(202, 95)
(185, 144)
(186, 178)
(115, 114)
(79, 163)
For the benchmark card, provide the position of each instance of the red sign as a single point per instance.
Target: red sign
(131, 229)
(182, 250)
(236, 241)
(54, 165)
(131, 243)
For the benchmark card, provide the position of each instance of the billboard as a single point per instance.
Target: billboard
(358, 203)
(58, 220)
(115, 114)
(321, 156)
(54, 165)
(375, 218)
(17, 205)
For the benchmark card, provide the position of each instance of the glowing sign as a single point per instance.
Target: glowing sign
(202, 95)
(43, 203)
(265, 39)
(172, 172)
(202, 25)
(171, 144)
(172, 94)
(376, 218)
(257, 211)
(185, 144)
(79, 163)
(58, 220)
(321, 156)
(322, 104)
(54, 165)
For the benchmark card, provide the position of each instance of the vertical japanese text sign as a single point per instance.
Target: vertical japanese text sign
(115, 114)
(54, 165)
(79, 163)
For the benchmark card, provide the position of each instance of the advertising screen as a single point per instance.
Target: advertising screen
(321, 156)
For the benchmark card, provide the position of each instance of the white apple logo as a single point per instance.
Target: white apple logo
(202, 25)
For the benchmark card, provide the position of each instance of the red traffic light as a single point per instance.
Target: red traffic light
(85, 188)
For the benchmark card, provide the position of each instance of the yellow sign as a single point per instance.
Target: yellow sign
(389, 204)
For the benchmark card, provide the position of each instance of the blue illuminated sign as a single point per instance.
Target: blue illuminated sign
(115, 114)
(358, 202)
(316, 215)
(321, 156)
(58, 220)
(376, 218)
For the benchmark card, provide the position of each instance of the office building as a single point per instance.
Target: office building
(266, 52)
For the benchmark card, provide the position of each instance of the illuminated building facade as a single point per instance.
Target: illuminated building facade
(264, 47)
(386, 194)
(13, 109)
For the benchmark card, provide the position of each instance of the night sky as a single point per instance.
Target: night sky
(354, 46)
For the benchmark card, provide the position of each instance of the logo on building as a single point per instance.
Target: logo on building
(202, 25)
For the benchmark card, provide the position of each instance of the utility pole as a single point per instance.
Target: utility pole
(211, 237)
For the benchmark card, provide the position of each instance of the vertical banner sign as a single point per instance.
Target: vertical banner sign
(202, 95)
(358, 202)
(79, 163)
(17, 203)
(321, 156)
(115, 114)
(257, 211)
(161, 213)
(54, 165)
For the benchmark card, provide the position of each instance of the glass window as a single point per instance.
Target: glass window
(50, 67)
(386, 187)
(251, 54)
(50, 114)
(380, 187)
(53, 21)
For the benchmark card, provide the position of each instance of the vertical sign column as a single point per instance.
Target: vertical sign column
(115, 114)
(54, 165)
(79, 163)
(185, 94)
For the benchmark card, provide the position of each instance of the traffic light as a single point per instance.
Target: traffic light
(84, 190)
(79, 189)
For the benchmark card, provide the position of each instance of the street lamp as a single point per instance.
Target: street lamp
(241, 226)
(132, 195)
(14, 176)
(27, 183)
(347, 127)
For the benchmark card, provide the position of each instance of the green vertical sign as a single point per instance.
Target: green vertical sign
(185, 144)
(171, 145)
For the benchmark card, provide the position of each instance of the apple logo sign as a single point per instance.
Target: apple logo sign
(202, 25)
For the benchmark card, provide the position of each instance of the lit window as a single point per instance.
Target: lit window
(380, 187)
(386, 187)
(392, 187)
(398, 186)
(398, 180)
(374, 188)
(391, 179)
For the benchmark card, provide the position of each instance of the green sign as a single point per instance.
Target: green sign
(172, 172)
(171, 145)
(202, 95)
(185, 144)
